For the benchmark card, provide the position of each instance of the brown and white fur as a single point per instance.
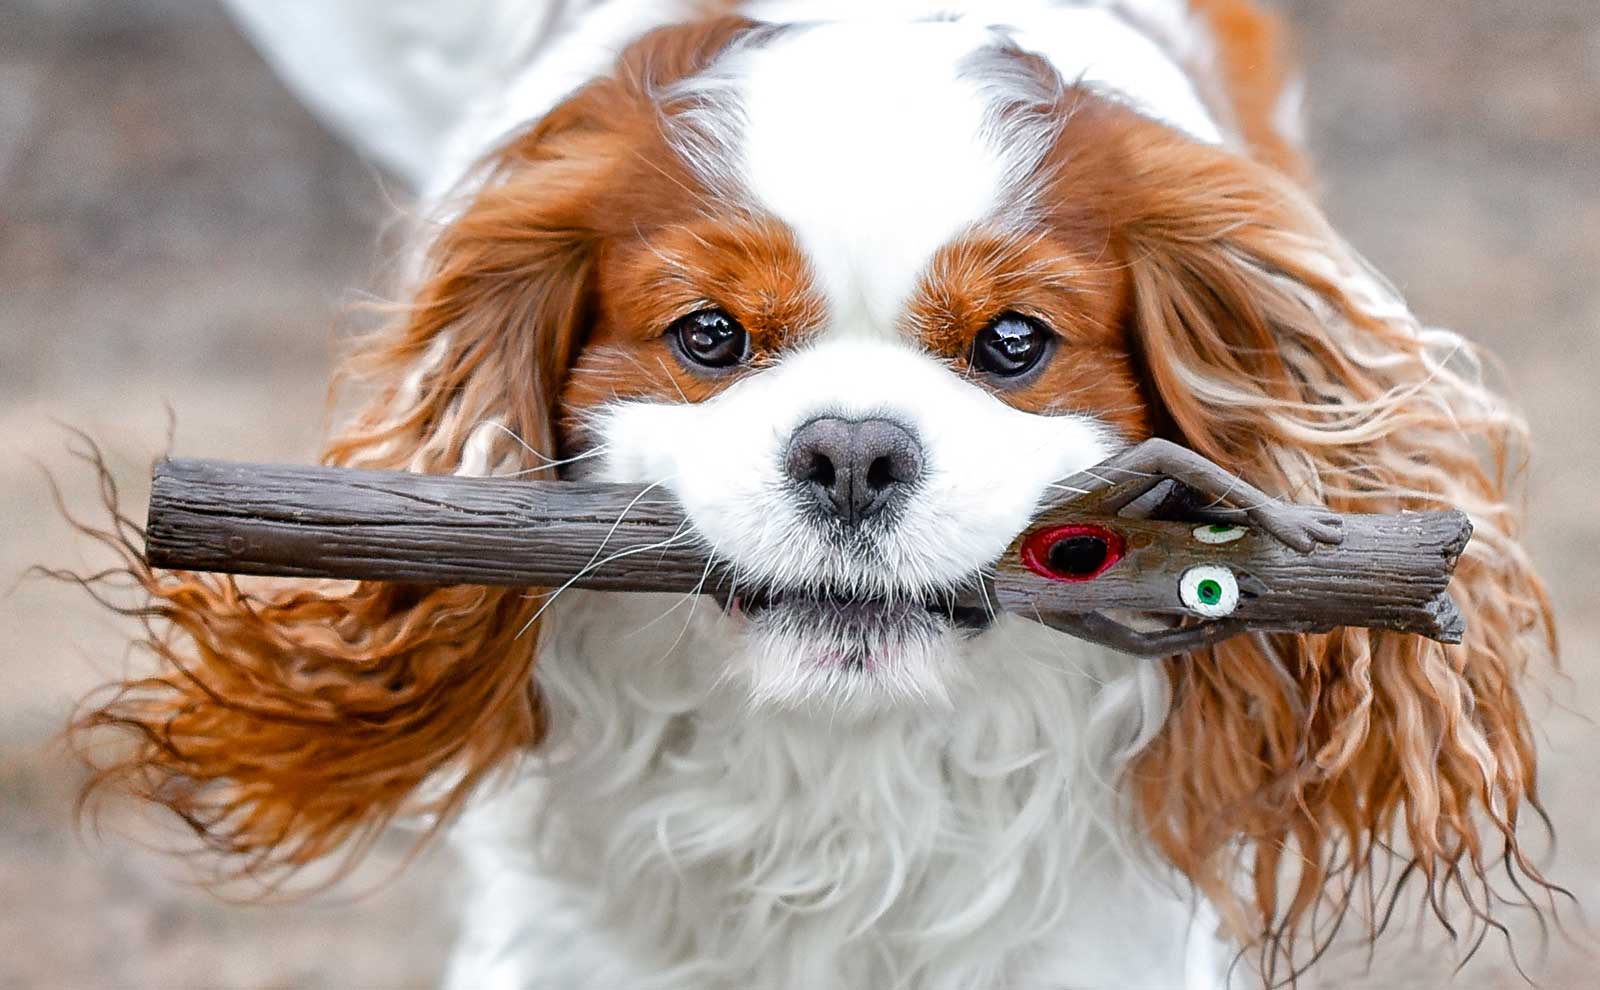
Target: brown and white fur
(655, 791)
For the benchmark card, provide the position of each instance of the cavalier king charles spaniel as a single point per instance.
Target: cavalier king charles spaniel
(858, 283)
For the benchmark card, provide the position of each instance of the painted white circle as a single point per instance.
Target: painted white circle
(1209, 590)
(1219, 533)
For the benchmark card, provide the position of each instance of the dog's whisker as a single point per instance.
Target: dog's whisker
(596, 565)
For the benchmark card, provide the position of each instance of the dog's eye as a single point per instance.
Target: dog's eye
(1010, 345)
(710, 338)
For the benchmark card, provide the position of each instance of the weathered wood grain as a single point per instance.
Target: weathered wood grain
(208, 515)
(1387, 571)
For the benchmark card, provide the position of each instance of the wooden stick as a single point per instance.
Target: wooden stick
(322, 522)
(1289, 568)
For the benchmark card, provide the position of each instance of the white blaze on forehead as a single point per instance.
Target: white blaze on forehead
(873, 136)
(869, 142)
(1133, 51)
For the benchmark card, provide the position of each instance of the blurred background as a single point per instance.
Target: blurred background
(176, 230)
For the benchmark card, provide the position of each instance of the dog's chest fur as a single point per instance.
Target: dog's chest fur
(668, 837)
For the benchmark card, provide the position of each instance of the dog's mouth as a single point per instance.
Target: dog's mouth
(806, 644)
(828, 609)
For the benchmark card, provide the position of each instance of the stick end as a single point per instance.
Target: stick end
(1457, 544)
(1450, 626)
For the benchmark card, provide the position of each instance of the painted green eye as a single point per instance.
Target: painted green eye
(1209, 590)
(1219, 533)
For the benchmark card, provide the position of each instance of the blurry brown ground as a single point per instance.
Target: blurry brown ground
(175, 229)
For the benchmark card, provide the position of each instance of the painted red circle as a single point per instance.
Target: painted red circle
(1036, 549)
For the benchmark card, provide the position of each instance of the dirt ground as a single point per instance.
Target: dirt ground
(175, 229)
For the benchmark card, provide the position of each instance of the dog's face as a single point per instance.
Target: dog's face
(859, 312)
(855, 350)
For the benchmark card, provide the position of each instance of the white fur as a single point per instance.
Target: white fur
(865, 138)
(422, 85)
(670, 836)
(582, 40)
(1131, 50)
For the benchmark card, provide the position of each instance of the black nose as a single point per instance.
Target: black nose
(854, 468)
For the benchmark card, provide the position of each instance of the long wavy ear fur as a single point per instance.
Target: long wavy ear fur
(1290, 764)
(290, 720)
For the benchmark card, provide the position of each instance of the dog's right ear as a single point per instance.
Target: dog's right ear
(290, 720)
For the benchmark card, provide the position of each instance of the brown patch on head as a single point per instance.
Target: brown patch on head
(1071, 287)
(742, 263)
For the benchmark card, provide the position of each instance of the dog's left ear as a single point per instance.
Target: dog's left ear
(290, 719)
(1268, 345)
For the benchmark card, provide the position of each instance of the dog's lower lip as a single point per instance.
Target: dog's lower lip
(754, 604)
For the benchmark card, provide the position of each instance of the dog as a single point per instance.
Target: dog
(857, 284)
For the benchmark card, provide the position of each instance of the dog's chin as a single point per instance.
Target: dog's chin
(809, 650)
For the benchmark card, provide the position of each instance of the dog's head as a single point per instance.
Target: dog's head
(859, 313)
